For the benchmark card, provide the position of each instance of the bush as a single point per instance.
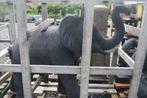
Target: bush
(59, 10)
(3, 9)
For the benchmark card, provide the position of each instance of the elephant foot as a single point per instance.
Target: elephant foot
(61, 96)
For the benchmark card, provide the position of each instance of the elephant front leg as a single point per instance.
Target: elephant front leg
(70, 85)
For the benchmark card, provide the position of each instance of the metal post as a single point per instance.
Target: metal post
(140, 57)
(11, 26)
(23, 47)
(86, 48)
(44, 11)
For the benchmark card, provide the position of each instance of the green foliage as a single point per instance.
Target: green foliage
(3, 9)
(57, 10)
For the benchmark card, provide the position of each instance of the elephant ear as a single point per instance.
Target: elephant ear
(71, 32)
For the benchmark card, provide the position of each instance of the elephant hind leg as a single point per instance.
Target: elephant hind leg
(61, 88)
(17, 83)
(70, 84)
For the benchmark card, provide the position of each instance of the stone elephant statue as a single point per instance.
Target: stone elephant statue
(62, 45)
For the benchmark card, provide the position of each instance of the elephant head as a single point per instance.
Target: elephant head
(71, 30)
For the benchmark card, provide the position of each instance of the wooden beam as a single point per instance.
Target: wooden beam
(126, 57)
(44, 11)
(86, 47)
(61, 69)
(140, 56)
(134, 31)
(23, 47)
(2, 26)
(5, 41)
(12, 25)
(121, 85)
(3, 53)
(100, 91)
(10, 68)
(41, 89)
(4, 77)
(37, 82)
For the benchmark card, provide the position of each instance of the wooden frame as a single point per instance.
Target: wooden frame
(85, 68)
(11, 26)
(126, 57)
(3, 53)
(132, 30)
(140, 56)
(23, 47)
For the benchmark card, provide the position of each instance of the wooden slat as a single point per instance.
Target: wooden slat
(68, 69)
(110, 70)
(140, 56)
(101, 86)
(37, 82)
(126, 57)
(100, 91)
(55, 69)
(4, 77)
(91, 85)
(3, 53)
(132, 30)
(5, 41)
(41, 89)
(86, 47)
(10, 68)
(23, 47)
(121, 85)
(4, 26)
(11, 26)
(44, 11)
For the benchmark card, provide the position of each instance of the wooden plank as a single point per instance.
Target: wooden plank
(4, 91)
(4, 77)
(11, 26)
(126, 57)
(37, 82)
(86, 47)
(10, 68)
(55, 69)
(3, 53)
(44, 11)
(41, 89)
(101, 86)
(140, 56)
(132, 30)
(2, 26)
(61, 69)
(23, 47)
(110, 70)
(3, 86)
(91, 85)
(121, 85)
(5, 41)
(100, 91)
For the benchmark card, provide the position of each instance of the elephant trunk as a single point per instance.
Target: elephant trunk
(106, 44)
